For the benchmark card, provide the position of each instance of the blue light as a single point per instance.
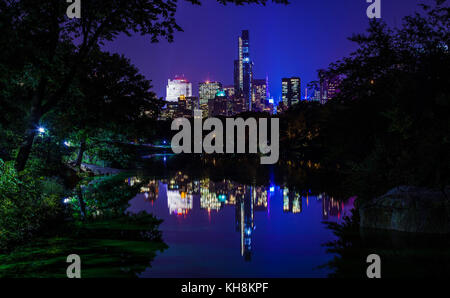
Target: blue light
(41, 129)
(222, 198)
(67, 143)
(165, 158)
(272, 189)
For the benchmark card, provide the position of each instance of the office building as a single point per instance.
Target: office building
(207, 92)
(329, 87)
(186, 106)
(219, 106)
(176, 88)
(290, 91)
(229, 91)
(259, 94)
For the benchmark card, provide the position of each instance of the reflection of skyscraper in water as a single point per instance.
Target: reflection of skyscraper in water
(178, 202)
(331, 207)
(208, 197)
(259, 197)
(150, 190)
(179, 194)
(292, 202)
(245, 221)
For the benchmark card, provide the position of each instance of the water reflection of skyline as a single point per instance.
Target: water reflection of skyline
(213, 196)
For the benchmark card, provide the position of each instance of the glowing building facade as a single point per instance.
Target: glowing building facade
(260, 94)
(229, 91)
(207, 92)
(220, 105)
(243, 70)
(176, 88)
(290, 91)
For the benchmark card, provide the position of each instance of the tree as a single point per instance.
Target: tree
(390, 120)
(113, 98)
(40, 32)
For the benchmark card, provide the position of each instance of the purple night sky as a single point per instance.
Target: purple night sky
(292, 40)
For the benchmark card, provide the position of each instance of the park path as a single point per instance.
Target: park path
(98, 170)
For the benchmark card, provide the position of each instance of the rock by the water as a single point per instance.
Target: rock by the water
(409, 209)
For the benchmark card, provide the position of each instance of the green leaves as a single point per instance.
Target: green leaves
(25, 205)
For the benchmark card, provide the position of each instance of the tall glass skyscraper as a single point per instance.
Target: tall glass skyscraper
(207, 92)
(243, 70)
(259, 94)
(291, 91)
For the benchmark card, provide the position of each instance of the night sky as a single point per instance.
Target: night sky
(293, 40)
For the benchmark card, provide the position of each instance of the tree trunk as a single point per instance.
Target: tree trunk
(82, 203)
(80, 153)
(30, 133)
(25, 150)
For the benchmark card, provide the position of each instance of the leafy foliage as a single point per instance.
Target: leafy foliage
(27, 205)
(389, 123)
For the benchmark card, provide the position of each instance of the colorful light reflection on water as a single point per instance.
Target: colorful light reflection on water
(227, 229)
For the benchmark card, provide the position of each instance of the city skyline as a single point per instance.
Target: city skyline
(293, 40)
(214, 98)
(256, 140)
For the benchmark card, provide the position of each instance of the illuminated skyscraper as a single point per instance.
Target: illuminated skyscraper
(291, 91)
(243, 69)
(229, 91)
(237, 78)
(219, 105)
(186, 106)
(207, 92)
(259, 94)
(245, 221)
(176, 88)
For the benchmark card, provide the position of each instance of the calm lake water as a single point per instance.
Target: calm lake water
(227, 229)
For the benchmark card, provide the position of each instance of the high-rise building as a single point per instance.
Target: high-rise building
(237, 106)
(176, 88)
(259, 94)
(229, 91)
(243, 69)
(291, 91)
(169, 111)
(316, 96)
(207, 92)
(219, 105)
(186, 106)
(329, 87)
(237, 78)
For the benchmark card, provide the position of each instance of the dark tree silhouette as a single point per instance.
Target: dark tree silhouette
(38, 37)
